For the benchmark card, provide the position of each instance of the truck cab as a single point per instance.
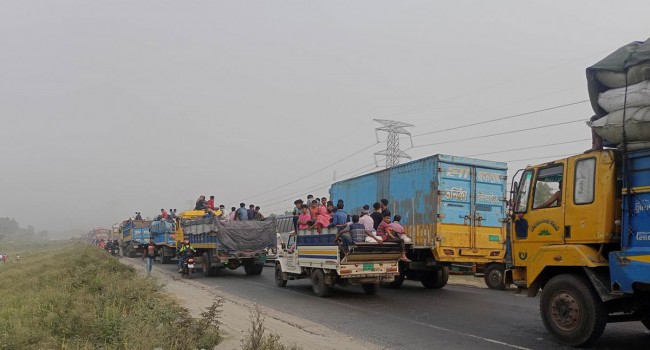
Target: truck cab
(567, 227)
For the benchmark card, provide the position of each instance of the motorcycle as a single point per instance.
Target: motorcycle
(188, 267)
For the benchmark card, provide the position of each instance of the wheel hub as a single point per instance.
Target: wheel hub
(565, 310)
(495, 277)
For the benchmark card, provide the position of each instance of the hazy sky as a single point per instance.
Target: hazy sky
(112, 107)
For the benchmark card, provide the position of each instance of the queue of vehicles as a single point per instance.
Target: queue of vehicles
(576, 228)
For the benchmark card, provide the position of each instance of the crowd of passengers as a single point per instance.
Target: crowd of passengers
(376, 227)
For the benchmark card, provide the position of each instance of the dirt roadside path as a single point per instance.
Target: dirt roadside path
(197, 297)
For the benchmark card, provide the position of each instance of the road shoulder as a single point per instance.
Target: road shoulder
(196, 297)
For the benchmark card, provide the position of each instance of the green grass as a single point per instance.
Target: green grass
(73, 296)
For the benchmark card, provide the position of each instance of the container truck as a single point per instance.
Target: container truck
(135, 234)
(229, 245)
(453, 208)
(164, 237)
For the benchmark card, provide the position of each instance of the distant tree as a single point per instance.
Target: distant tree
(542, 192)
(9, 226)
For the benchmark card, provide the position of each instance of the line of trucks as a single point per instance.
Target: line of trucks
(577, 228)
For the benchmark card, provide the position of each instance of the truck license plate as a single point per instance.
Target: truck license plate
(368, 267)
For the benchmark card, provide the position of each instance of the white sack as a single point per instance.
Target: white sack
(638, 95)
(637, 125)
(615, 80)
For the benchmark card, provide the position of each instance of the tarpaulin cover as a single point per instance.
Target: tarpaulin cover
(631, 60)
(161, 227)
(238, 235)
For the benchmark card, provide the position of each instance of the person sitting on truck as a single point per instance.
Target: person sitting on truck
(384, 232)
(258, 216)
(340, 217)
(354, 233)
(138, 216)
(323, 202)
(163, 214)
(184, 252)
(304, 220)
(365, 218)
(396, 228)
(322, 218)
(232, 214)
(210, 203)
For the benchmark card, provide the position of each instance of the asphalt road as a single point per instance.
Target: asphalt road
(455, 317)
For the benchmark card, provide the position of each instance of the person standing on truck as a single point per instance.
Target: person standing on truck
(376, 215)
(150, 253)
(304, 219)
(384, 207)
(242, 213)
(138, 216)
(383, 231)
(163, 214)
(323, 202)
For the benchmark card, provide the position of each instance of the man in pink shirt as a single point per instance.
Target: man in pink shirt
(397, 229)
(365, 218)
(386, 235)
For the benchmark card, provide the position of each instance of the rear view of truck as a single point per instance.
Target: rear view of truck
(229, 244)
(135, 234)
(319, 258)
(452, 207)
(163, 233)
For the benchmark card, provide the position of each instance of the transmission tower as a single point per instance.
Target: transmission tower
(392, 152)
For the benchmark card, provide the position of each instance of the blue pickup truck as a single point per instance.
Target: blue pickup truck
(135, 234)
(163, 233)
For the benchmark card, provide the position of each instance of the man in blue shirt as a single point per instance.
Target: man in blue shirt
(340, 217)
(243, 213)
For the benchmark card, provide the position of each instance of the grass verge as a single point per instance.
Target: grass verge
(73, 296)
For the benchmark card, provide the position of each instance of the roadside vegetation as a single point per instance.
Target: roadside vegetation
(72, 296)
(259, 339)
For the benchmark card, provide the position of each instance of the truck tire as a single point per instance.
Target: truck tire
(399, 280)
(572, 310)
(495, 276)
(279, 279)
(371, 288)
(206, 263)
(318, 284)
(258, 269)
(436, 279)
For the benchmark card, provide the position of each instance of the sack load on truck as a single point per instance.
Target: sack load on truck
(619, 90)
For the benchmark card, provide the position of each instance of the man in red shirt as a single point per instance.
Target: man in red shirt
(210, 203)
(164, 214)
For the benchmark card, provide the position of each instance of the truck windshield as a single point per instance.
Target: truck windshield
(524, 189)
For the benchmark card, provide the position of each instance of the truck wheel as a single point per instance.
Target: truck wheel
(279, 280)
(123, 251)
(371, 288)
(205, 263)
(249, 268)
(572, 310)
(442, 277)
(494, 276)
(258, 269)
(318, 284)
(399, 280)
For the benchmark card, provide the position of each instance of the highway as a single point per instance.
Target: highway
(455, 317)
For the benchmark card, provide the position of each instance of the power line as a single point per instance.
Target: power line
(527, 159)
(312, 189)
(502, 118)
(501, 133)
(526, 148)
(312, 173)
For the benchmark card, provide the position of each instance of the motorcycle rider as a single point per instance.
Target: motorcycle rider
(184, 252)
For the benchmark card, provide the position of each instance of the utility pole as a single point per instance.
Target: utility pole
(392, 152)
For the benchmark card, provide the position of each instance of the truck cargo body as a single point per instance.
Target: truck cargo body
(630, 267)
(221, 245)
(135, 234)
(452, 207)
(318, 257)
(164, 237)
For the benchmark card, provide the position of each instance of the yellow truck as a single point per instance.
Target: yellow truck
(581, 233)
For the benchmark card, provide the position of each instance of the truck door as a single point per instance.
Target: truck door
(488, 231)
(539, 210)
(454, 223)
